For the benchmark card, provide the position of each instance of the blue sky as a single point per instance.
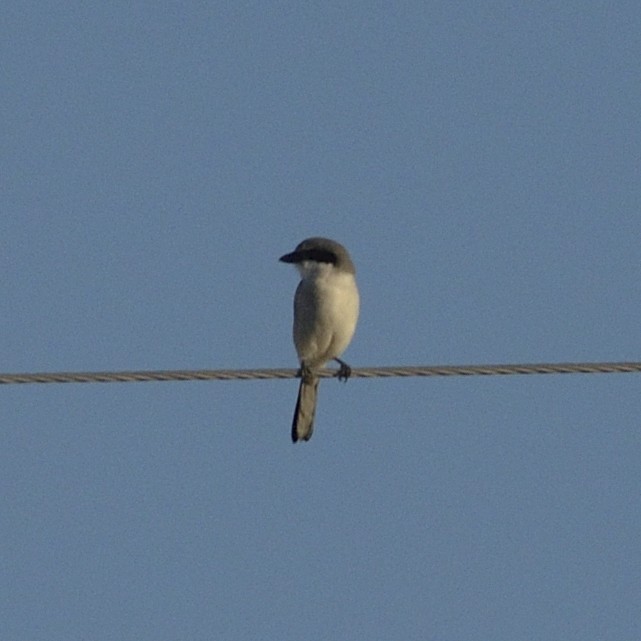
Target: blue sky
(481, 163)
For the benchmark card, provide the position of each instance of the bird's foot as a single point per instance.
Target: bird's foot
(305, 373)
(344, 371)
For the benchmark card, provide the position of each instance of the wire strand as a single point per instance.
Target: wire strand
(363, 372)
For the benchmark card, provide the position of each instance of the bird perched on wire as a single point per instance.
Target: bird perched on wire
(326, 308)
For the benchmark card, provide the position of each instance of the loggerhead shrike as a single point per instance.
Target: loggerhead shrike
(325, 314)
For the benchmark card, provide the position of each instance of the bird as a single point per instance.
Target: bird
(326, 307)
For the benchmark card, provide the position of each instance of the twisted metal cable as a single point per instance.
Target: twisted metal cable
(363, 372)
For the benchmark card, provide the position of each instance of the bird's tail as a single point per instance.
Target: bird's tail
(303, 423)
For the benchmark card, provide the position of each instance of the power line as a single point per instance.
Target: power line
(363, 372)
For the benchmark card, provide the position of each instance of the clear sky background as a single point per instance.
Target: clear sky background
(480, 160)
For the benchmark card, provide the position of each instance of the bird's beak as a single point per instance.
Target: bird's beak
(289, 258)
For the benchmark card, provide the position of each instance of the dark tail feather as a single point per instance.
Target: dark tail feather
(303, 423)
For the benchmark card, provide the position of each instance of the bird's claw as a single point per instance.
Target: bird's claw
(344, 371)
(305, 373)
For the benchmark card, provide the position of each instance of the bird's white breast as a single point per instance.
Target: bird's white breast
(326, 312)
